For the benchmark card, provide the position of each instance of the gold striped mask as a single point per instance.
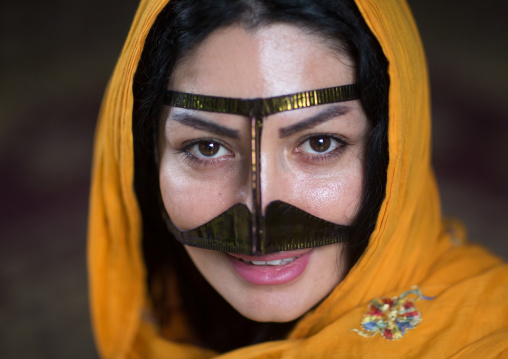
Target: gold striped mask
(243, 228)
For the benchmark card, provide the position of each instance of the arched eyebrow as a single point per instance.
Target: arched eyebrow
(190, 120)
(323, 116)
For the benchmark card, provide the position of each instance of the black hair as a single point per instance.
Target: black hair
(179, 28)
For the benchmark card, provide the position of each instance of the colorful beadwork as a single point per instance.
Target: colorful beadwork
(392, 317)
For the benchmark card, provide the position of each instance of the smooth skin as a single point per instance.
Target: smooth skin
(319, 168)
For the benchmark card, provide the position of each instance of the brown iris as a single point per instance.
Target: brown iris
(208, 149)
(320, 144)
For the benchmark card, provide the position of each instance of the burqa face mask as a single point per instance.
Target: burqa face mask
(245, 229)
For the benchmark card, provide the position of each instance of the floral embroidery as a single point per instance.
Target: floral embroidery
(392, 317)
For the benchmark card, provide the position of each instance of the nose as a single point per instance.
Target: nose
(269, 184)
(269, 173)
(276, 180)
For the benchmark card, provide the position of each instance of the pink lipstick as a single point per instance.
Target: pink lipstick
(271, 269)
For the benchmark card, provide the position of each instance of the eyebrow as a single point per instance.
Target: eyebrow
(323, 116)
(200, 124)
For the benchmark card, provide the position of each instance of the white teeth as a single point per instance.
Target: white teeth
(288, 260)
(275, 262)
(259, 263)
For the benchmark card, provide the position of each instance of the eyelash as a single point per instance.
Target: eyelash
(317, 158)
(193, 160)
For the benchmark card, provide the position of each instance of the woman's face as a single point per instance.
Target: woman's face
(316, 166)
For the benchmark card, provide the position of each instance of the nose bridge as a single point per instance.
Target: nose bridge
(272, 184)
(269, 176)
(263, 169)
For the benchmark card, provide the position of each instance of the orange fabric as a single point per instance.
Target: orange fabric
(411, 245)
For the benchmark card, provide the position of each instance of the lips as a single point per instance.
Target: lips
(271, 269)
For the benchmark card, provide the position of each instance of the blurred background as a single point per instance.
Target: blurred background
(55, 60)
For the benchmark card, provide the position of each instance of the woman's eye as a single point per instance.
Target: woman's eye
(207, 150)
(317, 145)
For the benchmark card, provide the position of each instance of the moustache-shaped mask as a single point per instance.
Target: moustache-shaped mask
(283, 226)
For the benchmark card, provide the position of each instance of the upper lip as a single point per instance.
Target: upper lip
(272, 256)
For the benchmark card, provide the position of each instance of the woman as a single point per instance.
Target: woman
(256, 136)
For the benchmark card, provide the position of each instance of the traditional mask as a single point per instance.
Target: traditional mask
(283, 226)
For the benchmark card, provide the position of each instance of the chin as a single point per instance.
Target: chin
(265, 310)
(292, 292)
(280, 317)
(278, 303)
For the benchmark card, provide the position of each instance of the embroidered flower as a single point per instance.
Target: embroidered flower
(392, 317)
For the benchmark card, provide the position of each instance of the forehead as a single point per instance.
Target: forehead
(273, 60)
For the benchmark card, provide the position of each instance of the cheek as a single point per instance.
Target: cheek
(191, 201)
(335, 197)
(336, 200)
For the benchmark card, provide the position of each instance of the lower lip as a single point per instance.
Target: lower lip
(270, 275)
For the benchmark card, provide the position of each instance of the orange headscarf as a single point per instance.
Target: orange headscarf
(467, 314)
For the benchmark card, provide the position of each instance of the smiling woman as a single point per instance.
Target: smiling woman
(311, 158)
(254, 193)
